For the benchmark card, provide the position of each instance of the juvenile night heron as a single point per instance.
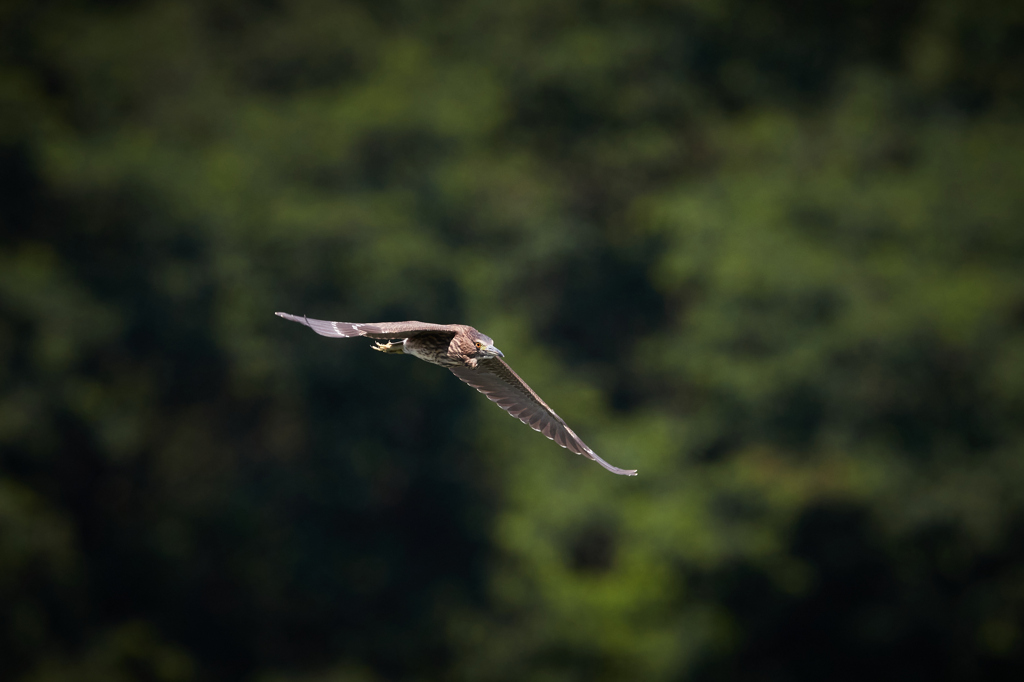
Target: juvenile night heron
(472, 357)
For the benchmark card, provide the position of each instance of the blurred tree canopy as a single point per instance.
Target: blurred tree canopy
(768, 252)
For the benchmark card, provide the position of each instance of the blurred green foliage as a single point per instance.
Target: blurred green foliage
(769, 253)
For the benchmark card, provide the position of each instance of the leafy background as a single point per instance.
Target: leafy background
(768, 252)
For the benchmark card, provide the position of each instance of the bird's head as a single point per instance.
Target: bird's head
(484, 348)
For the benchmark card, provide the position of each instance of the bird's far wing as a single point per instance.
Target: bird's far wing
(374, 330)
(496, 380)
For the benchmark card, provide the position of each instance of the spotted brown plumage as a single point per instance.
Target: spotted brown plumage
(472, 357)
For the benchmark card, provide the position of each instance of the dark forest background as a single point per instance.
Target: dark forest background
(768, 252)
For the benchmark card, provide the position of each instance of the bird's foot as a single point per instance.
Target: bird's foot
(388, 347)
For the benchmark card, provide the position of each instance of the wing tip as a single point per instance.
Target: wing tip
(295, 318)
(610, 467)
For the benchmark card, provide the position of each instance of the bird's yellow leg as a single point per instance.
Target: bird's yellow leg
(388, 347)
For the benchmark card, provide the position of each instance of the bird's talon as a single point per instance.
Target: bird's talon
(389, 347)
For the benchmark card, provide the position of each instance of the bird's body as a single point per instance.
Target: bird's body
(472, 357)
(442, 348)
(432, 348)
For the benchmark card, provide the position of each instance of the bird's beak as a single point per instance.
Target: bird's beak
(492, 351)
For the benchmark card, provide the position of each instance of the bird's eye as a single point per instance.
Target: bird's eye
(479, 345)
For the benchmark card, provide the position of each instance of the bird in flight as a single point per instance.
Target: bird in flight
(472, 357)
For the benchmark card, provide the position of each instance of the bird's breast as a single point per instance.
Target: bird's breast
(432, 349)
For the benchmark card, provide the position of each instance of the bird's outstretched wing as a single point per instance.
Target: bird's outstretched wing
(496, 380)
(374, 330)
